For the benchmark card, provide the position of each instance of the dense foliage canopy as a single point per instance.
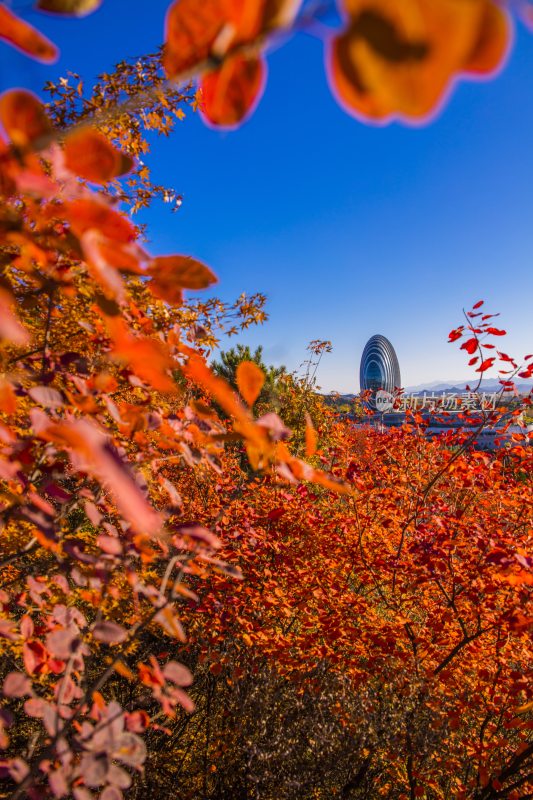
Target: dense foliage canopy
(357, 604)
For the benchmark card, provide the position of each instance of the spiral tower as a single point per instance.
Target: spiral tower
(379, 367)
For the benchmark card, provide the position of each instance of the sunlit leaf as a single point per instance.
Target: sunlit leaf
(250, 380)
(310, 436)
(399, 59)
(171, 274)
(148, 358)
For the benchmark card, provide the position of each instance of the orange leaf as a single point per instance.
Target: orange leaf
(310, 437)
(250, 380)
(195, 31)
(45, 541)
(124, 257)
(8, 398)
(91, 156)
(148, 358)
(250, 18)
(92, 454)
(26, 38)
(171, 274)
(23, 116)
(99, 267)
(87, 213)
(10, 327)
(122, 669)
(231, 93)
(197, 370)
(399, 59)
(492, 43)
(191, 29)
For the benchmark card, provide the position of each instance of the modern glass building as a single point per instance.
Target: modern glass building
(379, 367)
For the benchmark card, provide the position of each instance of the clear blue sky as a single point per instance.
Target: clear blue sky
(349, 230)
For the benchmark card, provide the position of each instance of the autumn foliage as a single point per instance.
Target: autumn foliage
(195, 588)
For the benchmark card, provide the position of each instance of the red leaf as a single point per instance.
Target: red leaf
(61, 642)
(109, 544)
(473, 361)
(455, 334)
(35, 656)
(470, 346)
(16, 684)
(177, 673)
(478, 304)
(8, 630)
(485, 365)
(92, 512)
(109, 632)
(35, 707)
(496, 332)
(46, 396)
(137, 721)
(198, 534)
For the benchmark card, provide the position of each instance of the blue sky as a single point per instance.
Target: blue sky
(349, 230)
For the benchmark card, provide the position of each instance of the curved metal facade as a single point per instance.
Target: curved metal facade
(379, 367)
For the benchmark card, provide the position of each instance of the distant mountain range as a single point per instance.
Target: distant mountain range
(441, 387)
(487, 385)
